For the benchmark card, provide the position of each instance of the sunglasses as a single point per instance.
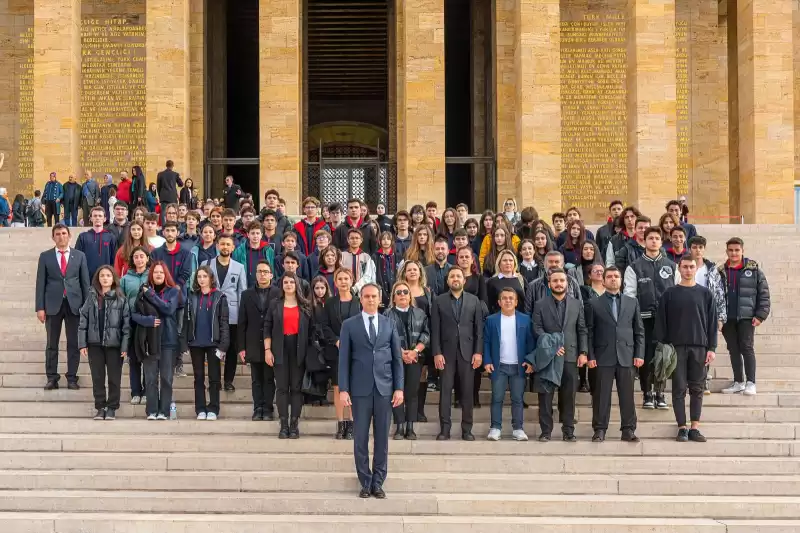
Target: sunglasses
(401, 292)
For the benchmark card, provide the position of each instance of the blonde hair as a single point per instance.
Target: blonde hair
(401, 274)
(516, 266)
(404, 284)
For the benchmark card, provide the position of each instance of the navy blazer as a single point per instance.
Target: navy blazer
(491, 340)
(364, 366)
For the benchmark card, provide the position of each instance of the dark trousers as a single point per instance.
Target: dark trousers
(503, 377)
(566, 401)
(263, 381)
(588, 376)
(71, 213)
(86, 210)
(199, 357)
(476, 387)
(289, 380)
(135, 374)
(690, 373)
(231, 356)
(52, 325)
(601, 397)
(158, 404)
(376, 410)
(51, 211)
(739, 336)
(407, 411)
(646, 380)
(100, 359)
(456, 368)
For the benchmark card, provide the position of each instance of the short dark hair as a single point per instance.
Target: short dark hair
(247, 209)
(431, 204)
(678, 228)
(613, 203)
(264, 262)
(354, 230)
(121, 203)
(642, 218)
(687, 257)
(150, 217)
(573, 208)
(612, 268)
(289, 233)
(442, 238)
(506, 289)
(558, 270)
(229, 213)
(402, 213)
(255, 225)
(651, 230)
(37, 193)
(170, 164)
(353, 201)
(169, 225)
(335, 206)
(735, 240)
(672, 202)
(268, 213)
(291, 255)
(558, 215)
(697, 240)
(225, 236)
(192, 214)
(460, 232)
(138, 249)
(58, 227)
(371, 284)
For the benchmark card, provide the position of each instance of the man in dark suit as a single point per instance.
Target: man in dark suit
(62, 285)
(371, 381)
(561, 313)
(457, 347)
(167, 183)
(616, 345)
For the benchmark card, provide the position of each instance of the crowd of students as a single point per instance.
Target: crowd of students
(531, 303)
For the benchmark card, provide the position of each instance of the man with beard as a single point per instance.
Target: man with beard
(437, 272)
(539, 288)
(561, 313)
(457, 347)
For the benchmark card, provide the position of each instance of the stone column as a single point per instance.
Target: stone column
(56, 88)
(766, 111)
(196, 167)
(507, 94)
(168, 120)
(538, 115)
(652, 156)
(420, 102)
(281, 98)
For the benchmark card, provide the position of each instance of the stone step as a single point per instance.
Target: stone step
(499, 483)
(243, 427)
(601, 505)
(310, 412)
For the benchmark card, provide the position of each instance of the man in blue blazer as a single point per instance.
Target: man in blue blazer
(371, 381)
(507, 343)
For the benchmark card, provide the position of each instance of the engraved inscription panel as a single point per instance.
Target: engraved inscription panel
(113, 97)
(594, 60)
(682, 88)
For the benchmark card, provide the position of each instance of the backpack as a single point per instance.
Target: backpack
(35, 216)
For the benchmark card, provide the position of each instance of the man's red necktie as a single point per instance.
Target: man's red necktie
(63, 263)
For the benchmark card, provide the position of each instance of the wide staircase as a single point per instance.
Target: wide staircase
(62, 472)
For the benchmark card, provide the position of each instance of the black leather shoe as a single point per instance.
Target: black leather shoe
(599, 436)
(284, 432)
(399, 434)
(349, 430)
(569, 437)
(443, 436)
(269, 415)
(467, 436)
(544, 437)
(410, 434)
(294, 429)
(51, 385)
(421, 417)
(378, 493)
(229, 387)
(258, 414)
(683, 435)
(629, 436)
(72, 386)
(364, 493)
(696, 436)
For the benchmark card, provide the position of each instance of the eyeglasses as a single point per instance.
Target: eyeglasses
(401, 292)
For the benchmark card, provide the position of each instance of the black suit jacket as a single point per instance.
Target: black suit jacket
(613, 342)
(449, 336)
(546, 320)
(331, 320)
(167, 183)
(250, 329)
(50, 284)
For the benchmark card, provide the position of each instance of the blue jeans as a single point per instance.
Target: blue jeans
(507, 376)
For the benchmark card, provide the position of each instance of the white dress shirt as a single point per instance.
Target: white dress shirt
(508, 340)
(366, 316)
(58, 256)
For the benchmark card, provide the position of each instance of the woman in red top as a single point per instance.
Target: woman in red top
(286, 336)
(134, 237)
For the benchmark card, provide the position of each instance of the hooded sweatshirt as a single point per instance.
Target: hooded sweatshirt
(250, 257)
(178, 261)
(100, 248)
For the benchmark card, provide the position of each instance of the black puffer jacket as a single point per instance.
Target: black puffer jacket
(418, 331)
(749, 286)
(116, 322)
(220, 333)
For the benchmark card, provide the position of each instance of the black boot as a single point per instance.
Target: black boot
(399, 434)
(294, 431)
(348, 430)
(422, 396)
(340, 430)
(284, 432)
(410, 435)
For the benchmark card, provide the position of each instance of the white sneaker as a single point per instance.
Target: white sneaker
(211, 416)
(519, 435)
(736, 388)
(201, 416)
(494, 434)
(136, 400)
(750, 389)
(161, 417)
(151, 417)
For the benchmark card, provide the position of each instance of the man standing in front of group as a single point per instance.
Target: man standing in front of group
(371, 381)
(748, 305)
(687, 319)
(561, 313)
(616, 345)
(62, 285)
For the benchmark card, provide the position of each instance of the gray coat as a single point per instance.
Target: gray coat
(233, 287)
(116, 324)
(545, 320)
(50, 284)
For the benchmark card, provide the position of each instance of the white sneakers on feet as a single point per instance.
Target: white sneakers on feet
(494, 434)
(519, 435)
(161, 417)
(750, 389)
(211, 416)
(736, 388)
(151, 417)
(201, 416)
(136, 400)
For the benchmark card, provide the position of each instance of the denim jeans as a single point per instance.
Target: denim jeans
(507, 376)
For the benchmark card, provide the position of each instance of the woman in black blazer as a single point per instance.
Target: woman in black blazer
(286, 336)
(337, 310)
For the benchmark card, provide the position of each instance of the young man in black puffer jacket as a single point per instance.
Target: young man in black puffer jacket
(747, 302)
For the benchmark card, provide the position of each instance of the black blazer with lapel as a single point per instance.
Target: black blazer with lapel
(50, 284)
(331, 321)
(615, 342)
(545, 320)
(449, 334)
(250, 330)
(273, 329)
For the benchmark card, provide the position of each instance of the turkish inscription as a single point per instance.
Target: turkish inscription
(113, 97)
(594, 142)
(25, 135)
(682, 17)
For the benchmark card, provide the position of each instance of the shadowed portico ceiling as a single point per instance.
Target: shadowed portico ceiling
(347, 49)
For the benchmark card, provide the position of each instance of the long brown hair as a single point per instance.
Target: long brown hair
(128, 244)
(315, 302)
(578, 244)
(330, 249)
(494, 250)
(302, 303)
(423, 255)
(114, 283)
